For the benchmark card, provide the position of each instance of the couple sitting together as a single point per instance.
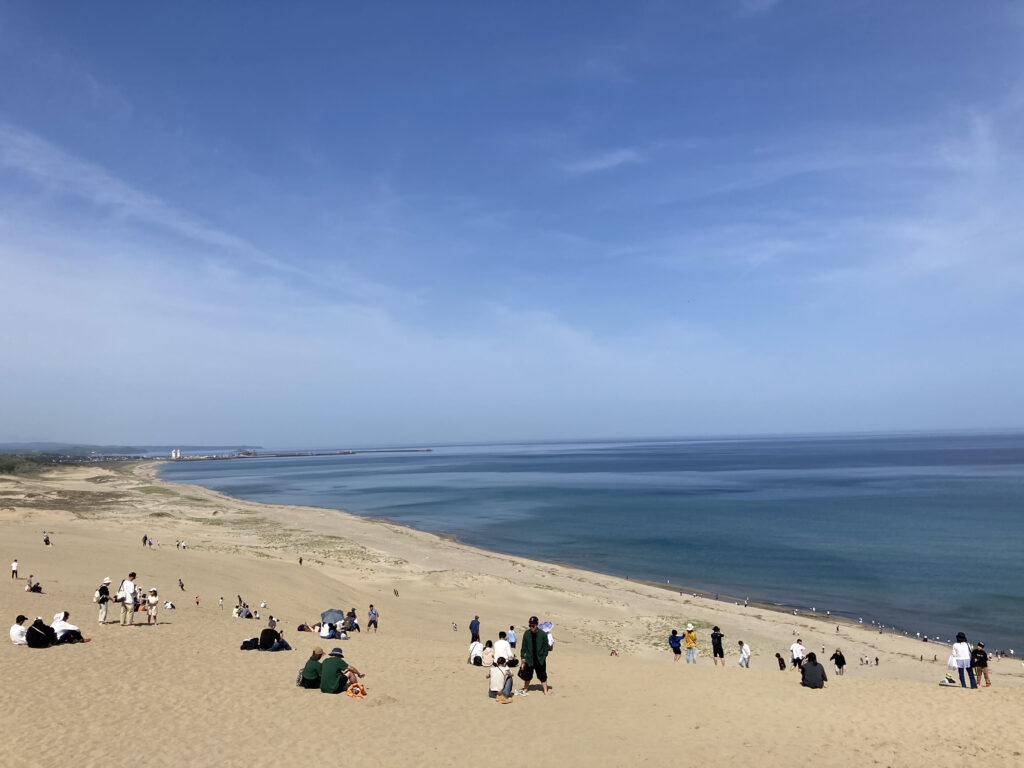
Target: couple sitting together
(332, 675)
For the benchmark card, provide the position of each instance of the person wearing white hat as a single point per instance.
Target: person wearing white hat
(152, 603)
(690, 641)
(103, 598)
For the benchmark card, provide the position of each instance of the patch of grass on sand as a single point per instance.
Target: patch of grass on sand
(78, 503)
(160, 514)
(157, 490)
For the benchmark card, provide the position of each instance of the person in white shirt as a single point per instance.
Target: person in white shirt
(501, 681)
(18, 630)
(66, 633)
(796, 653)
(744, 655)
(14, 569)
(962, 656)
(502, 648)
(476, 653)
(127, 591)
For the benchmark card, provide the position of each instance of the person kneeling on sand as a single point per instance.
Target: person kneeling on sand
(501, 681)
(66, 633)
(812, 674)
(336, 675)
(310, 677)
(271, 639)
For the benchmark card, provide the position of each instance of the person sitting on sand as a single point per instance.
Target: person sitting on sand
(307, 627)
(476, 652)
(812, 674)
(40, 634)
(501, 681)
(18, 630)
(487, 656)
(311, 672)
(502, 647)
(336, 675)
(33, 586)
(66, 633)
(271, 639)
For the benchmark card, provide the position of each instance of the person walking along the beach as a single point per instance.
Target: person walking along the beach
(534, 656)
(474, 626)
(690, 641)
(962, 654)
(717, 651)
(126, 596)
(979, 660)
(840, 661)
(675, 642)
(14, 569)
(103, 599)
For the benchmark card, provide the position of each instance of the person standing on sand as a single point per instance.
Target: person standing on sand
(782, 662)
(796, 653)
(14, 569)
(152, 604)
(512, 637)
(104, 599)
(979, 660)
(675, 642)
(126, 593)
(690, 641)
(717, 652)
(962, 655)
(372, 615)
(535, 656)
(222, 603)
(840, 661)
(181, 585)
(744, 656)
(474, 626)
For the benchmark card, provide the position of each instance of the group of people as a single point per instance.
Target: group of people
(331, 675)
(973, 661)
(39, 634)
(499, 657)
(689, 640)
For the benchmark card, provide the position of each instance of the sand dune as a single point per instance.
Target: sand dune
(181, 693)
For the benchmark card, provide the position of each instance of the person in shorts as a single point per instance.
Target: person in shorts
(717, 651)
(373, 615)
(675, 642)
(534, 655)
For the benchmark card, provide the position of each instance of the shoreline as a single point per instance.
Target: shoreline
(790, 609)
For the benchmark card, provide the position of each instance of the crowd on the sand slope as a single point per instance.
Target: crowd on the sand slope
(973, 660)
(333, 674)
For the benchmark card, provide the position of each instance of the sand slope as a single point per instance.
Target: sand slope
(181, 693)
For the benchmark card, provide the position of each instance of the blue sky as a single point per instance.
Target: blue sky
(328, 224)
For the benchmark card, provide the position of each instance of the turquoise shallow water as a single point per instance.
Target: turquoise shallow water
(925, 532)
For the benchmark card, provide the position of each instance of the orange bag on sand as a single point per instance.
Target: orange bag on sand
(357, 691)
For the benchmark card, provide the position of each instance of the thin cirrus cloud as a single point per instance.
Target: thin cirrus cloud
(604, 161)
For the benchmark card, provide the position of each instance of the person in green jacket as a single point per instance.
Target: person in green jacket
(534, 656)
(336, 674)
(311, 672)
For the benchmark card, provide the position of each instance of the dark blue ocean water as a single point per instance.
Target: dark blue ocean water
(925, 532)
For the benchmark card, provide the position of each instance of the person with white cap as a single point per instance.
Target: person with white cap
(690, 641)
(103, 599)
(152, 604)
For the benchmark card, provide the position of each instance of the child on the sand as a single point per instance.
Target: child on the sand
(675, 641)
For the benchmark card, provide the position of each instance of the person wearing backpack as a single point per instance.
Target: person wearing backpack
(102, 597)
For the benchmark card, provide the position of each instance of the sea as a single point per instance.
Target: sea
(924, 533)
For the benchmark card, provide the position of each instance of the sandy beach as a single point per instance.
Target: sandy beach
(182, 692)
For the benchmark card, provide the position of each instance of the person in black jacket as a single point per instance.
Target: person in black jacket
(840, 661)
(812, 674)
(40, 634)
(979, 660)
(534, 655)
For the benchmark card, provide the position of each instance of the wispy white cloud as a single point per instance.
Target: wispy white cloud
(604, 161)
